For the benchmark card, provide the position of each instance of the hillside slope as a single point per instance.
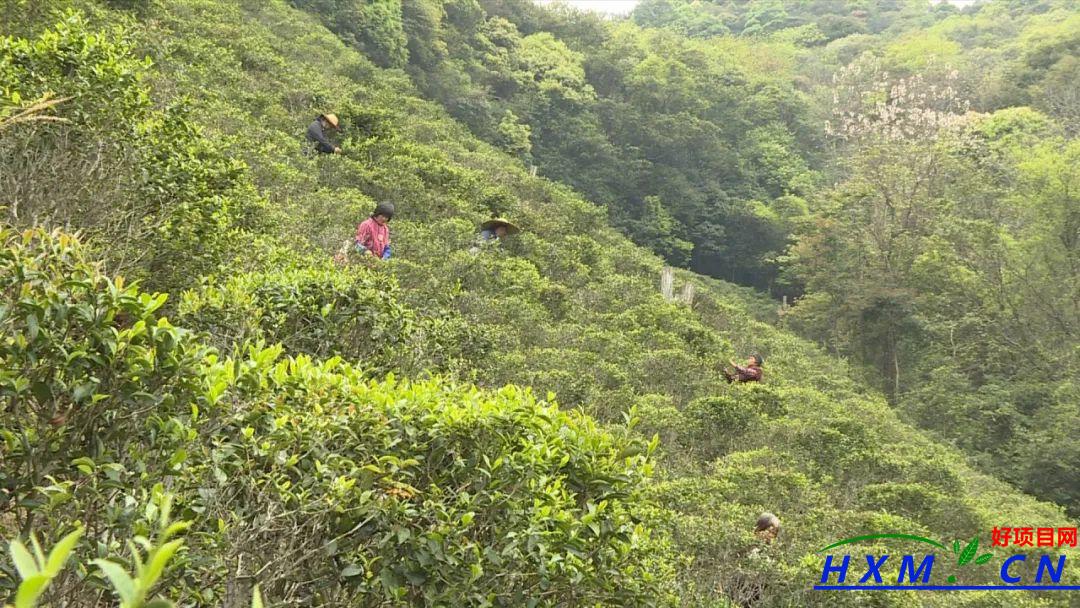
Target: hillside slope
(569, 307)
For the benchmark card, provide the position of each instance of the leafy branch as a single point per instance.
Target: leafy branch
(36, 570)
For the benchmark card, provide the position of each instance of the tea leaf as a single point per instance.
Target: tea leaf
(29, 590)
(24, 562)
(61, 551)
(120, 579)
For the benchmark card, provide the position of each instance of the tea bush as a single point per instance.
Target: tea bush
(176, 205)
(320, 311)
(326, 487)
(38, 569)
(277, 461)
(81, 356)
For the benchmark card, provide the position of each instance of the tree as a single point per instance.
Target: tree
(374, 26)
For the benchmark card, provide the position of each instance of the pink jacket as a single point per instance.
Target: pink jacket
(373, 237)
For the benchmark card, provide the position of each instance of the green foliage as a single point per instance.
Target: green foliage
(514, 135)
(917, 52)
(437, 492)
(351, 313)
(81, 353)
(329, 488)
(133, 590)
(941, 293)
(175, 205)
(658, 227)
(94, 69)
(834, 20)
(715, 424)
(375, 26)
(36, 570)
(633, 124)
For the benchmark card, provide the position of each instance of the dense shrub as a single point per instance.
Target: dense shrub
(81, 359)
(327, 488)
(714, 424)
(349, 312)
(373, 26)
(176, 204)
(270, 463)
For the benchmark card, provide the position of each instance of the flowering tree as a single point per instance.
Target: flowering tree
(902, 142)
(868, 107)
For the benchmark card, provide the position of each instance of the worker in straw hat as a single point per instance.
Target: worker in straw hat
(493, 231)
(497, 228)
(316, 133)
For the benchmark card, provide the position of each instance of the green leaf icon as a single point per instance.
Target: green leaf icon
(969, 551)
(956, 547)
(985, 557)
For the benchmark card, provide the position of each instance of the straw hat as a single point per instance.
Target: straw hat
(495, 222)
(332, 119)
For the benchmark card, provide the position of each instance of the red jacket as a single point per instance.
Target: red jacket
(747, 374)
(373, 237)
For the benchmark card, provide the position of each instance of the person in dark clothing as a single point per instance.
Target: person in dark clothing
(750, 373)
(316, 133)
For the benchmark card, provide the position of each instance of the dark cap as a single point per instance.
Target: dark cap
(766, 521)
(385, 208)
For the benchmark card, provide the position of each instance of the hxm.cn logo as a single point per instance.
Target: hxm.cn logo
(943, 568)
